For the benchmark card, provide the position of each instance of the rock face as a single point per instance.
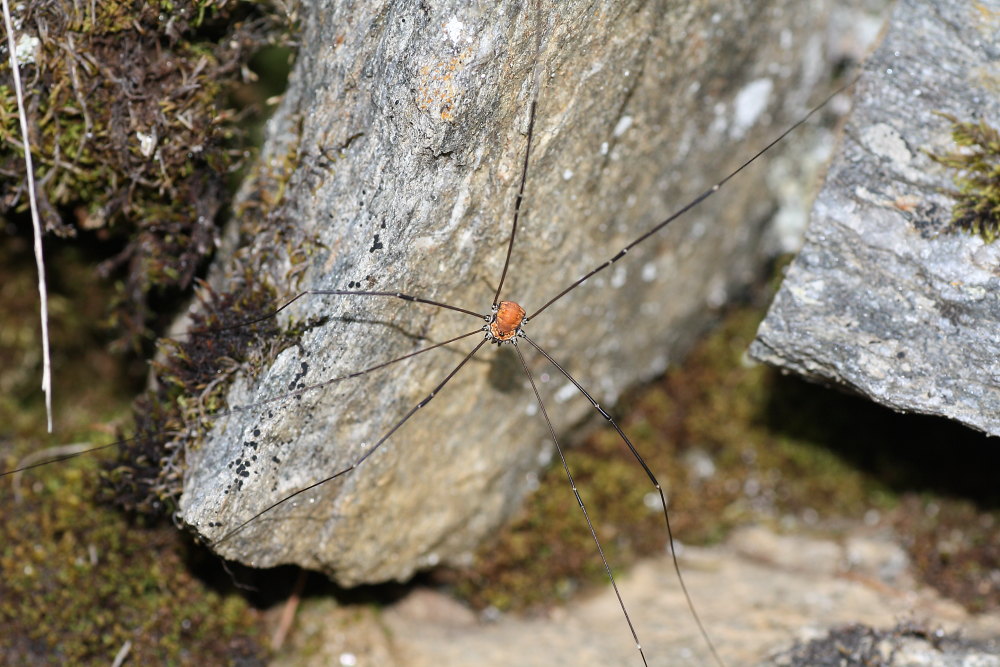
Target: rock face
(880, 299)
(408, 125)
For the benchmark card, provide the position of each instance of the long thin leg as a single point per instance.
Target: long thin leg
(361, 459)
(517, 202)
(243, 408)
(326, 383)
(583, 508)
(655, 483)
(336, 292)
(65, 457)
(691, 204)
(527, 153)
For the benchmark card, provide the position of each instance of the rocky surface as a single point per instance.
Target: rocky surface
(758, 594)
(880, 299)
(407, 122)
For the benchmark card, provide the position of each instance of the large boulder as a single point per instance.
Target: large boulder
(407, 125)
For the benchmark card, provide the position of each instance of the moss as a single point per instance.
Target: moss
(131, 132)
(955, 546)
(79, 580)
(864, 645)
(135, 135)
(976, 167)
(232, 332)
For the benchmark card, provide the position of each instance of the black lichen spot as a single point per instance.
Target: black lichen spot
(376, 244)
(296, 382)
(956, 313)
(976, 163)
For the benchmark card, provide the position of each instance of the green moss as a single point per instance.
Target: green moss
(955, 546)
(976, 166)
(79, 580)
(137, 117)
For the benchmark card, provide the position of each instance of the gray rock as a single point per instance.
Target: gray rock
(408, 126)
(905, 645)
(879, 299)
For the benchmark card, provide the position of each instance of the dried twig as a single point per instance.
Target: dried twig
(35, 220)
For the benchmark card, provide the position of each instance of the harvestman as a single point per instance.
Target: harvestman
(504, 324)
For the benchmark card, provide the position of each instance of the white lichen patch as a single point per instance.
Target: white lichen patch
(27, 47)
(454, 29)
(749, 105)
(648, 272)
(884, 140)
(624, 123)
(147, 143)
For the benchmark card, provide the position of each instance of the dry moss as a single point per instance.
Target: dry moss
(132, 131)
